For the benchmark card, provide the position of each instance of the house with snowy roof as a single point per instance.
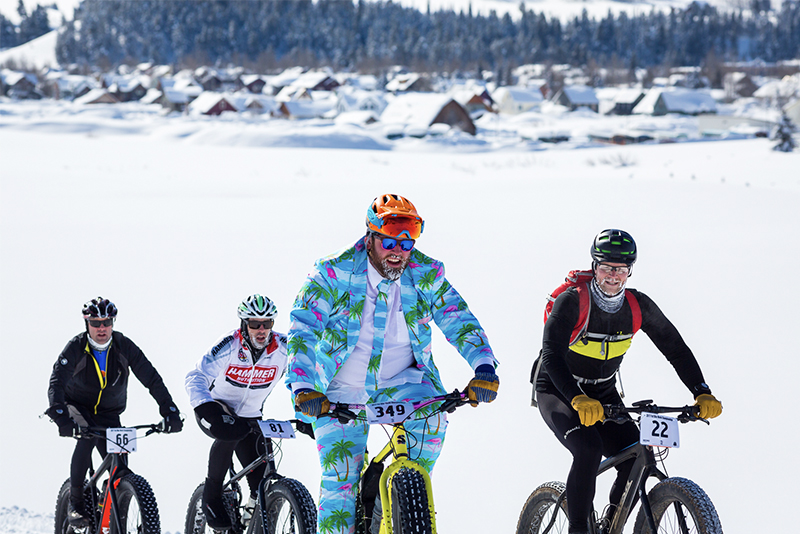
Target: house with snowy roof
(15, 84)
(664, 100)
(211, 103)
(97, 96)
(354, 99)
(254, 83)
(407, 82)
(474, 98)
(515, 99)
(423, 110)
(62, 86)
(618, 100)
(577, 96)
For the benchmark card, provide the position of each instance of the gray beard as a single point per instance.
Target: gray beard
(393, 273)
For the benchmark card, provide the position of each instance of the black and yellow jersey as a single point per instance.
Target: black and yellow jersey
(589, 365)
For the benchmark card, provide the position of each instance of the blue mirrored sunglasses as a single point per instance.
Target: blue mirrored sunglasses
(388, 243)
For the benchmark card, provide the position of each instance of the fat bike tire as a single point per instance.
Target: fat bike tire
(539, 509)
(288, 509)
(196, 518)
(62, 525)
(679, 506)
(138, 510)
(411, 512)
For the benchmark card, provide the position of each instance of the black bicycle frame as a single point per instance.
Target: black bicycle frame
(644, 467)
(117, 467)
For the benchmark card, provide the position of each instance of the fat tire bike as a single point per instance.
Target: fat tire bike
(397, 498)
(673, 505)
(284, 505)
(121, 503)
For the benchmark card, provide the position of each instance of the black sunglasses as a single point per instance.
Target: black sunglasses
(256, 325)
(97, 323)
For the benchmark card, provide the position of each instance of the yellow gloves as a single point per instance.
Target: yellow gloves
(311, 403)
(589, 410)
(483, 388)
(710, 407)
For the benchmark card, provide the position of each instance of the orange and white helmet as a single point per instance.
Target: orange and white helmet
(394, 216)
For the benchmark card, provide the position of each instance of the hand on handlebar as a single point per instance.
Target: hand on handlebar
(589, 410)
(311, 403)
(483, 387)
(709, 406)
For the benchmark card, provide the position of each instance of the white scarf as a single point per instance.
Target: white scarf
(97, 346)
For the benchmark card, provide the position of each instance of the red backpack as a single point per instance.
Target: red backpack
(580, 280)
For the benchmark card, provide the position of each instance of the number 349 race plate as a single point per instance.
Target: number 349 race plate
(659, 431)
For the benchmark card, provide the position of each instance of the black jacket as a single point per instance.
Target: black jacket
(75, 381)
(561, 363)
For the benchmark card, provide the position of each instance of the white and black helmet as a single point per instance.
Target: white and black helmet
(257, 307)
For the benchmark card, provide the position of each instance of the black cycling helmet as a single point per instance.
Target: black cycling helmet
(99, 308)
(614, 246)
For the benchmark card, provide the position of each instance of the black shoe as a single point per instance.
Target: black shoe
(217, 516)
(76, 516)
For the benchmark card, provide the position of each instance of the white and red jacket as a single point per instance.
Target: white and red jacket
(227, 374)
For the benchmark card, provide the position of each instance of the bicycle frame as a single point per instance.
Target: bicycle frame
(116, 465)
(397, 447)
(644, 467)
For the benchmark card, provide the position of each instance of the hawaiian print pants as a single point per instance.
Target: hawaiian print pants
(342, 448)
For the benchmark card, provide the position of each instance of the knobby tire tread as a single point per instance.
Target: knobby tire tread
(410, 508)
(534, 517)
(133, 486)
(703, 518)
(291, 492)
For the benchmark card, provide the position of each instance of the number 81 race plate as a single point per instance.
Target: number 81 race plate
(658, 430)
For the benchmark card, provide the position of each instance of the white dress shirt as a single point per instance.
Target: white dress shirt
(398, 365)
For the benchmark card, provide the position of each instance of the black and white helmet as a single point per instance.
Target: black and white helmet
(99, 308)
(257, 307)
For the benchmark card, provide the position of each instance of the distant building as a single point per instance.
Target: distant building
(577, 96)
(408, 82)
(20, 85)
(97, 96)
(514, 99)
(661, 101)
(422, 110)
(210, 103)
(738, 85)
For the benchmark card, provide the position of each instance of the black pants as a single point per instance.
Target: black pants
(587, 445)
(221, 457)
(82, 455)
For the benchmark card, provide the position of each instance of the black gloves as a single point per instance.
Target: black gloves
(172, 420)
(60, 416)
(215, 421)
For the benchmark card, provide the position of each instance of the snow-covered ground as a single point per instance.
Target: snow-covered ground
(178, 219)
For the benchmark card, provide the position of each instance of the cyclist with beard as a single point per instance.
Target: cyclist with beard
(576, 380)
(361, 333)
(227, 389)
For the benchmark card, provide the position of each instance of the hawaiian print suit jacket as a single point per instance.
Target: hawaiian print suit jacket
(326, 317)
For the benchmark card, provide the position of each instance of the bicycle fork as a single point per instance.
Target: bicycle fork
(399, 447)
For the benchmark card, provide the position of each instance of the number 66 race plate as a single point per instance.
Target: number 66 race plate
(120, 440)
(658, 430)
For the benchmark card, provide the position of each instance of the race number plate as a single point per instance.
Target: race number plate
(388, 413)
(276, 429)
(121, 440)
(659, 430)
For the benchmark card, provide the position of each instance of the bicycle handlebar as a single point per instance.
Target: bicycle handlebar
(100, 431)
(344, 412)
(616, 412)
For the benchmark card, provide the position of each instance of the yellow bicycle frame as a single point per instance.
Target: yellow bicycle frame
(397, 447)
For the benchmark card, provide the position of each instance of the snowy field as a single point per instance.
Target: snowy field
(177, 220)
